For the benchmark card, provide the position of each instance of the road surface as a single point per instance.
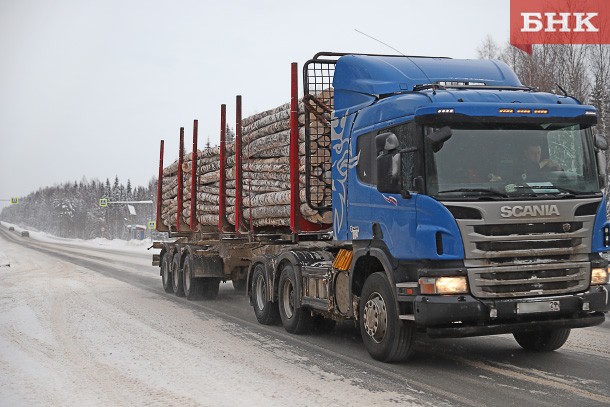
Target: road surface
(81, 326)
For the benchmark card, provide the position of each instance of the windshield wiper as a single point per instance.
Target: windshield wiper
(480, 190)
(565, 192)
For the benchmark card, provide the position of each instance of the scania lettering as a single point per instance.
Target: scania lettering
(519, 211)
(409, 195)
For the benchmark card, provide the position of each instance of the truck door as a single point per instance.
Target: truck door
(376, 215)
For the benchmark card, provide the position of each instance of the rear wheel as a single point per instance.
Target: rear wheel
(177, 284)
(192, 286)
(166, 273)
(267, 312)
(542, 341)
(296, 319)
(385, 336)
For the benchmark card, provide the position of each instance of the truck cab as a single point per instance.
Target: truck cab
(478, 200)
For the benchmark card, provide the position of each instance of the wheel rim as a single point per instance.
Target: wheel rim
(261, 292)
(375, 317)
(288, 299)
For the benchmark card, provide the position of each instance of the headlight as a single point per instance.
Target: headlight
(443, 285)
(599, 276)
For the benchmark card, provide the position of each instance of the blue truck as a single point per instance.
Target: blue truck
(462, 203)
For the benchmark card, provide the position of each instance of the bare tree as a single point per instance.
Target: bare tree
(488, 49)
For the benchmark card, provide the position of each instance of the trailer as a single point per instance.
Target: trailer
(408, 194)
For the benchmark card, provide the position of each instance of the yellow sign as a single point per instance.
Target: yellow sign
(152, 225)
(103, 202)
(14, 200)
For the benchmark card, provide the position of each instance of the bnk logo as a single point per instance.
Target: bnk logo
(559, 22)
(563, 22)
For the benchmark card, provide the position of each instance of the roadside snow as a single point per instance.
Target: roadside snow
(137, 246)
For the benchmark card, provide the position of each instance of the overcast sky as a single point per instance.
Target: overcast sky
(89, 87)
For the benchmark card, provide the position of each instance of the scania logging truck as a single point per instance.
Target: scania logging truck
(449, 200)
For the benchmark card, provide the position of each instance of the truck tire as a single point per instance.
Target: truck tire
(542, 341)
(193, 287)
(385, 336)
(296, 319)
(267, 312)
(177, 285)
(166, 273)
(209, 288)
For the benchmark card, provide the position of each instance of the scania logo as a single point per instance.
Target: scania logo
(519, 211)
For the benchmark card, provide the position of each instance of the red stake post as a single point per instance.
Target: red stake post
(193, 218)
(158, 225)
(179, 195)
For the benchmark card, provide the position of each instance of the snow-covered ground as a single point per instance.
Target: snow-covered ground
(140, 246)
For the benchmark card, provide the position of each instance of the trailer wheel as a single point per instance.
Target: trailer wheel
(267, 312)
(177, 285)
(193, 287)
(542, 341)
(296, 319)
(385, 336)
(209, 288)
(166, 273)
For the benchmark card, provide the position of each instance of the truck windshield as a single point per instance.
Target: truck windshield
(508, 161)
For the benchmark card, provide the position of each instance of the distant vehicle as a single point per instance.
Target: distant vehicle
(11, 228)
(25, 233)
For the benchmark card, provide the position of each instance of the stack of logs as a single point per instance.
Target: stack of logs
(265, 174)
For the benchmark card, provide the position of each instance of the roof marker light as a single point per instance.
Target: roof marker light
(590, 113)
(445, 111)
(506, 110)
(524, 111)
(541, 111)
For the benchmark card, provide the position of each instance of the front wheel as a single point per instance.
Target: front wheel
(542, 341)
(385, 336)
(296, 319)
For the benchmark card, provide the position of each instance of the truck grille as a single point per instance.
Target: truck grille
(520, 256)
(527, 239)
(528, 280)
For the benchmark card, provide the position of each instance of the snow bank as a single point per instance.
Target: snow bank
(138, 246)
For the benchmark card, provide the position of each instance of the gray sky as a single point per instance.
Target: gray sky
(89, 87)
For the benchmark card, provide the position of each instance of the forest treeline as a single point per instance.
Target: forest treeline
(73, 209)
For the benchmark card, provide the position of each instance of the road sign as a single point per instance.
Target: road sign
(152, 225)
(103, 202)
(14, 200)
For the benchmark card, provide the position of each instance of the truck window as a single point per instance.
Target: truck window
(367, 168)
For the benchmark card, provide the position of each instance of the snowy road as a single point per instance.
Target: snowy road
(80, 326)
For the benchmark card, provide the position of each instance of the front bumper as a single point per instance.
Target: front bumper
(464, 315)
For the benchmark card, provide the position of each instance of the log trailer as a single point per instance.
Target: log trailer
(439, 224)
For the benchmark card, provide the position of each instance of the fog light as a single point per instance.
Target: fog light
(443, 285)
(599, 276)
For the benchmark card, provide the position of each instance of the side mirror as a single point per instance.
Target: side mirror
(388, 172)
(439, 137)
(386, 142)
(601, 142)
(388, 163)
(601, 167)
